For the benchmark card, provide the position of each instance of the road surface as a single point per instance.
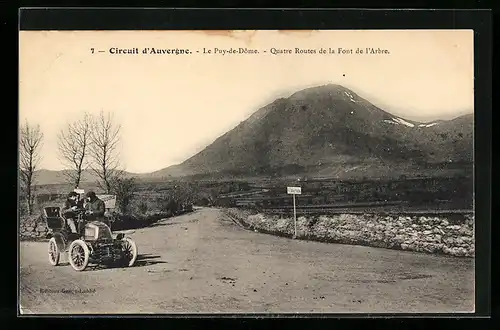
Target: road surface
(202, 262)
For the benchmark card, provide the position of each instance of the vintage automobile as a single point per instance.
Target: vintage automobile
(93, 244)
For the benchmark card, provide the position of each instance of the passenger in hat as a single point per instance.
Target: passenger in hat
(95, 207)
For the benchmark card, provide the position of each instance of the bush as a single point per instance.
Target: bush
(142, 207)
(203, 201)
(169, 205)
(124, 189)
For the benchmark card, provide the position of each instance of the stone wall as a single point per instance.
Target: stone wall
(32, 228)
(428, 234)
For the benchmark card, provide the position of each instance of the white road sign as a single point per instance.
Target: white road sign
(109, 200)
(294, 190)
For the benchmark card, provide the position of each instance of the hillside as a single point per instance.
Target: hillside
(326, 131)
(331, 131)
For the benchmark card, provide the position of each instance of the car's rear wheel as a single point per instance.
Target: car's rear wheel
(129, 250)
(54, 252)
(79, 255)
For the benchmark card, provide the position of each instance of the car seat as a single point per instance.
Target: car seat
(53, 218)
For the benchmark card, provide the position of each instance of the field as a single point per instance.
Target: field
(416, 195)
(420, 195)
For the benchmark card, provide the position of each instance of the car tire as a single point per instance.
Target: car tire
(54, 252)
(79, 255)
(129, 246)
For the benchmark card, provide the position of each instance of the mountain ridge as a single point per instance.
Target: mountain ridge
(334, 108)
(328, 130)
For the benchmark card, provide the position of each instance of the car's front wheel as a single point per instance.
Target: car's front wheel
(79, 254)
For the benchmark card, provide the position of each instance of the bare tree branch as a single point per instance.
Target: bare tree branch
(30, 143)
(105, 137)
(73, 145)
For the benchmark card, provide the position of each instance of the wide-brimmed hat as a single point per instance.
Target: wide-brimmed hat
(72, 194)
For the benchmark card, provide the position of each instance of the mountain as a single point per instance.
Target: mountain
(326, 131)
(331, 131)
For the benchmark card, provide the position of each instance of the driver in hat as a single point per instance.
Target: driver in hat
(69, 210)
(95, 207)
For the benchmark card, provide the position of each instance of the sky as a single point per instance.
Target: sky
(172, 106)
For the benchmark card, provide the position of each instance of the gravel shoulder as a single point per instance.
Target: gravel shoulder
(203, 262)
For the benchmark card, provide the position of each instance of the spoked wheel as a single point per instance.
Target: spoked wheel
(54, 253)
(79, 255)
(129, 250)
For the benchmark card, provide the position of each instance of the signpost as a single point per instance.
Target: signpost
(294, 191)
(109, 201)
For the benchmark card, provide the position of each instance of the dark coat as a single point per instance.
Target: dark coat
(66, 210)
(98, 208)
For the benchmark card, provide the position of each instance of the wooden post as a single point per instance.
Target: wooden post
(294, 191)
(294, 216)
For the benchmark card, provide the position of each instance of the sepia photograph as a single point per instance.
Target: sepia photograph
(246, 171)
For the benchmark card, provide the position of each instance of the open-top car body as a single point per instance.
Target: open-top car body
(94, 242)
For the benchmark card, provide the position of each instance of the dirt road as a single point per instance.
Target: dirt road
(203, 263)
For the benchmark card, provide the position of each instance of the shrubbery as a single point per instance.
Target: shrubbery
(124, 189)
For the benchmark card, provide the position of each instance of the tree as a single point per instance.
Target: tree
(105, 137)
(30, 143)
(73, 144)
(124, 189)
(184, 193)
